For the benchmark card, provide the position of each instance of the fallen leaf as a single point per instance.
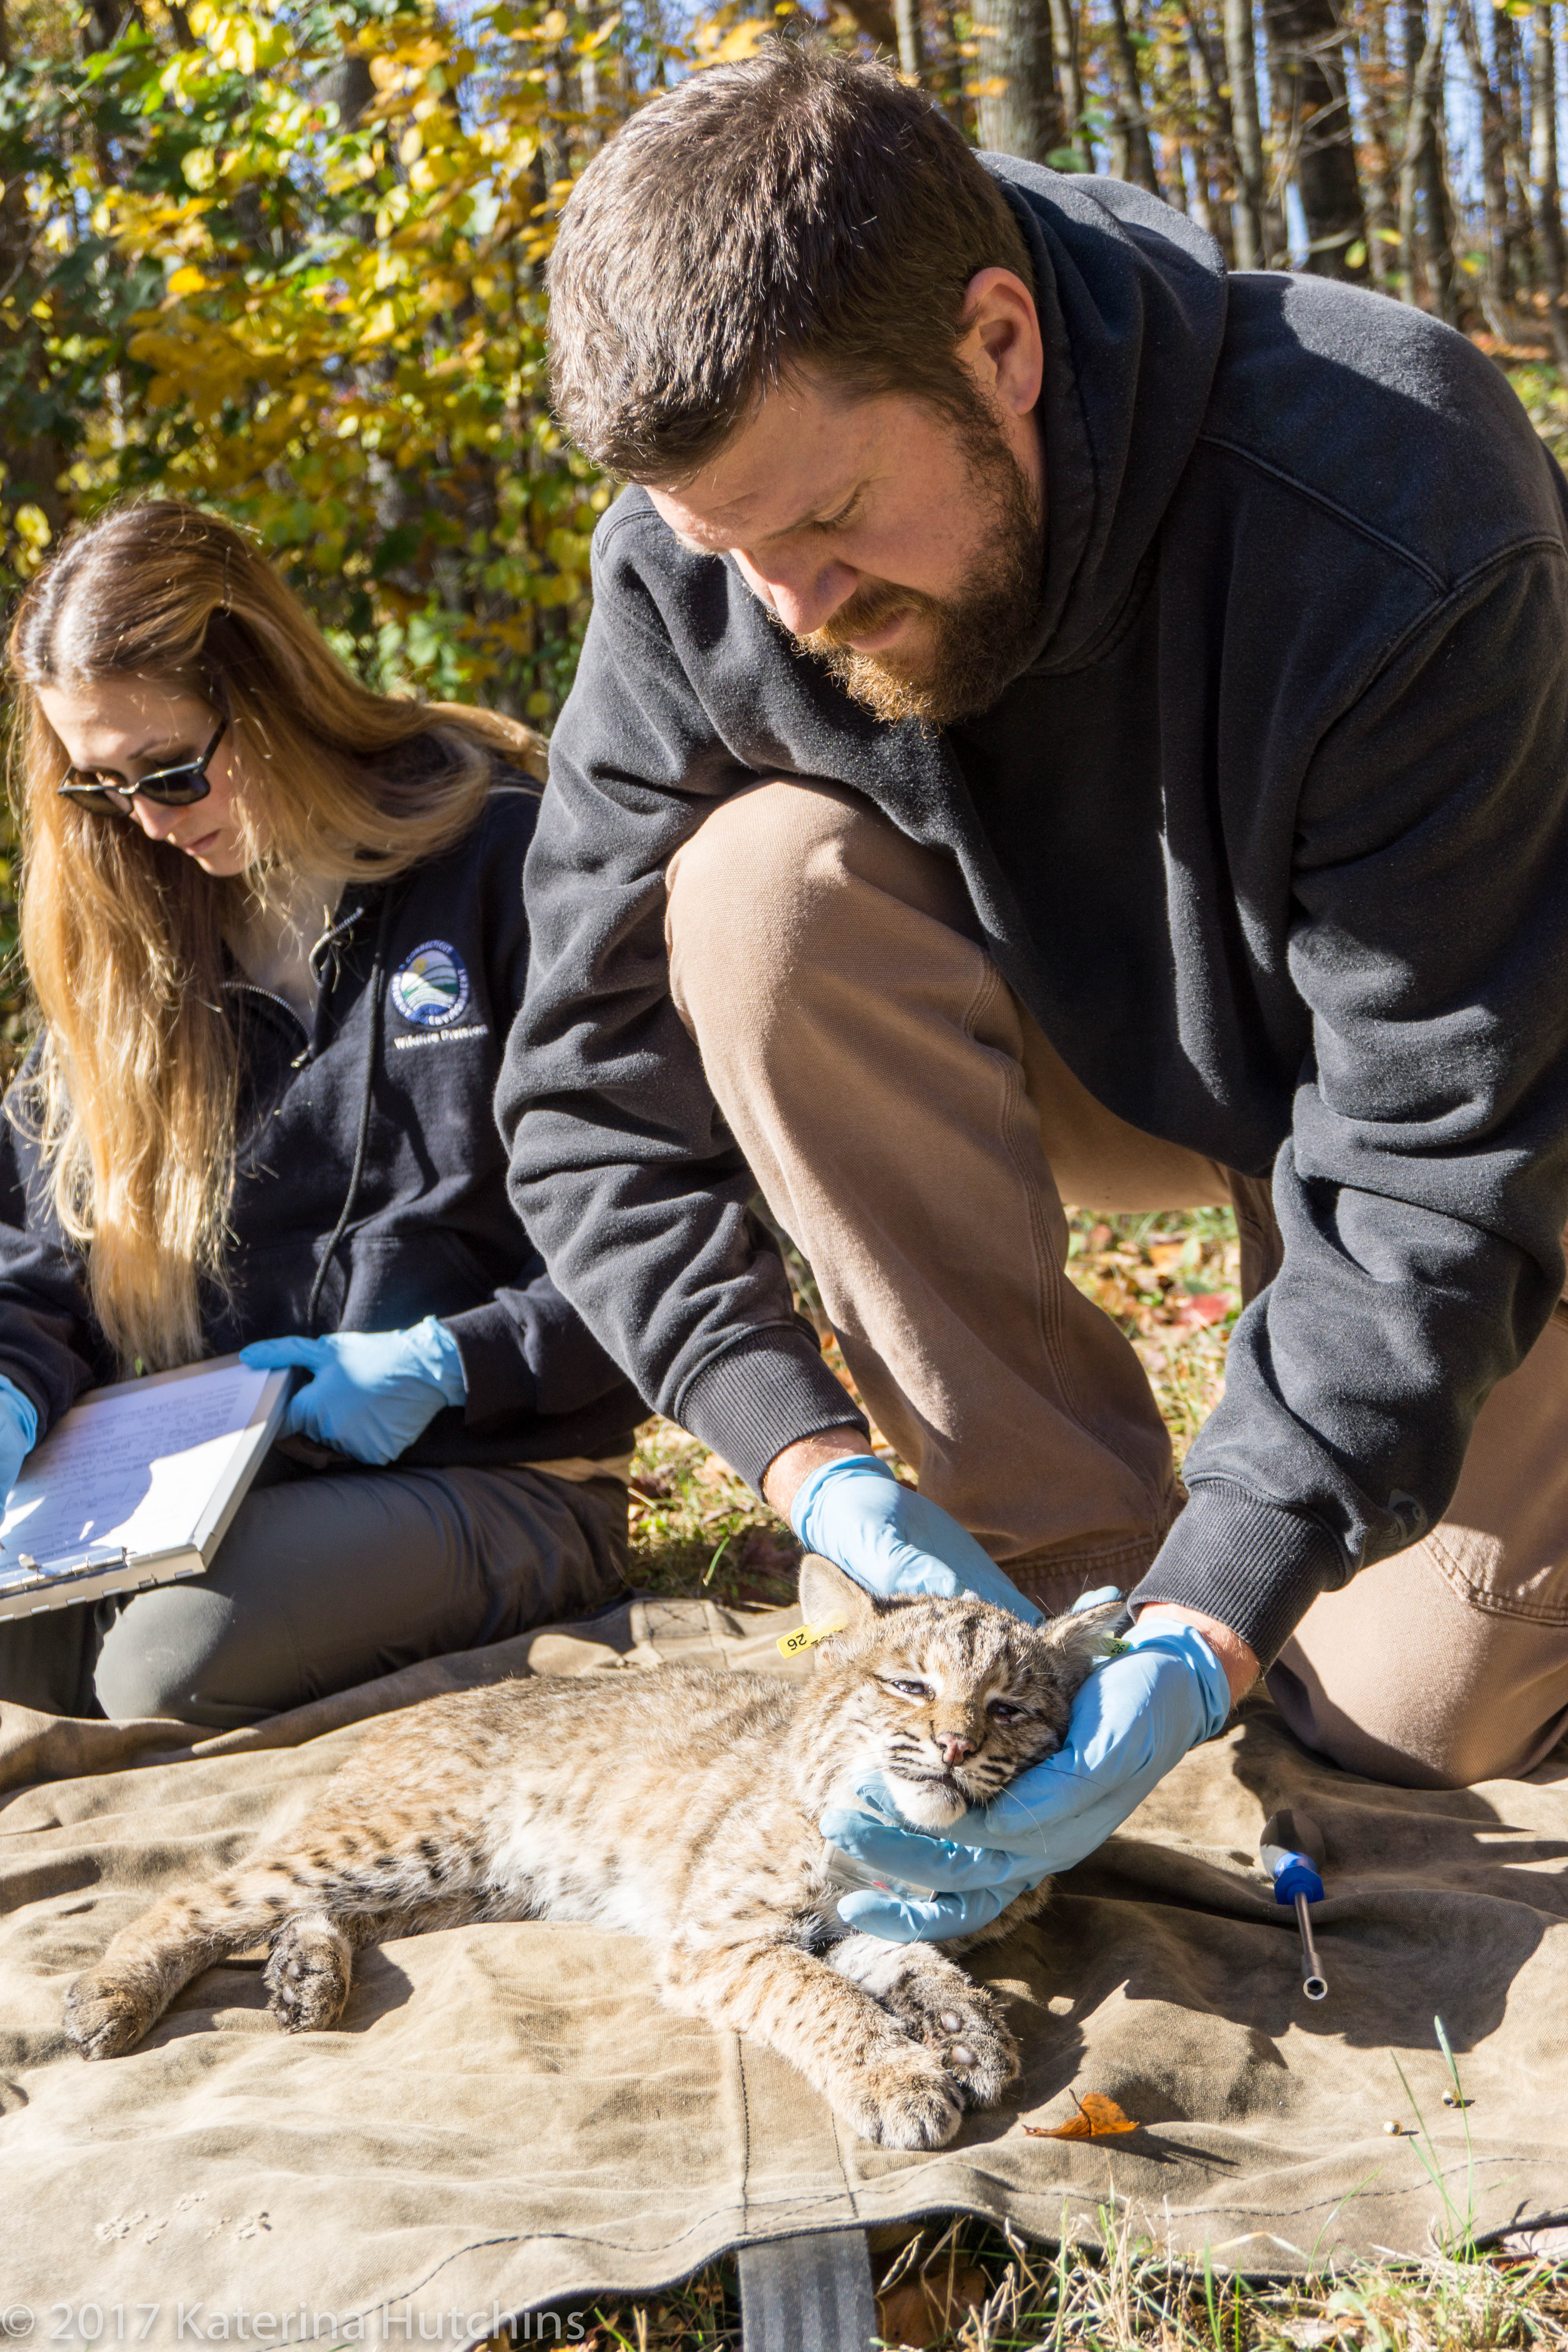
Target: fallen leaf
(1097, 2117)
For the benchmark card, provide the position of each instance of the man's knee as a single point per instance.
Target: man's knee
(740, 890)
(1400, 1679)
(785, 881)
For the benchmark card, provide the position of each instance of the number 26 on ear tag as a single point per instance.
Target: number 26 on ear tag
(806, 1637)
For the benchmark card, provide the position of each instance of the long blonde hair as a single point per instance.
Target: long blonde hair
(133, 1098)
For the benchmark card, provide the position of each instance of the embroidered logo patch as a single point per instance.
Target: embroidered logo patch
(430, 988)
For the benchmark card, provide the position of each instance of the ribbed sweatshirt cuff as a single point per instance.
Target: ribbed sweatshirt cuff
(1256, 1567)
(760, 1396)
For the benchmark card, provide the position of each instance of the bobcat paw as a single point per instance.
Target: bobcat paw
(906, 2103)
(966, 2032)
(939, 2007)
(307, 1978)
(104, 2015)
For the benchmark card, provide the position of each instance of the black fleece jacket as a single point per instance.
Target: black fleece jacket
(1270, 835)
(429, 1229)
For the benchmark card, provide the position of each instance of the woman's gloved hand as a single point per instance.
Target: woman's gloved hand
(1135, 1716)
(375, 1392)
(18, 1433)
(893, 1540)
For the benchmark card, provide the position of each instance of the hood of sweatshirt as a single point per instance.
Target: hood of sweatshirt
(1132, 300)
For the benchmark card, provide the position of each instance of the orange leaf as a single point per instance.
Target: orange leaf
(1097, 2117)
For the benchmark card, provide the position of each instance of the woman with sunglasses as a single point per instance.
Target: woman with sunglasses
(273, 925)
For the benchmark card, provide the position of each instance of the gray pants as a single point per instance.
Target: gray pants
(325, 1579)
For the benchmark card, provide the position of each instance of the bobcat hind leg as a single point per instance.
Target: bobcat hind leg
(112, 2006)
(314, 1907)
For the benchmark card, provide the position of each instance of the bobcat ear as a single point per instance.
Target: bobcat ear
(826, 1592)
(1081, 1638)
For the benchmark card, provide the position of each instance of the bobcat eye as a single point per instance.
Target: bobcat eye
(906, 1690)
(1004, 1710)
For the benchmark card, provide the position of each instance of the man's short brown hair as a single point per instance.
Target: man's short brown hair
(801, 208)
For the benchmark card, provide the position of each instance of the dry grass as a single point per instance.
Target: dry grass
(968, 2288)
(1170, 1283)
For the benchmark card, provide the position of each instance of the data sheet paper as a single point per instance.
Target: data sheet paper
(135, 1468)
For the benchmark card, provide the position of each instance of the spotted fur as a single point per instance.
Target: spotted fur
(680, 1806)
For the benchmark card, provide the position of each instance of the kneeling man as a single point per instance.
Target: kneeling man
(1059, 723)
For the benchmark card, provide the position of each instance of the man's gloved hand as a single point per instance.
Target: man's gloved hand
(18, 1433)
(373, 1391)
(893, 1540)
(1135, 1716)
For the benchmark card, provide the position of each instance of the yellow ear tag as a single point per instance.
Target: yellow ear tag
(806, 1637)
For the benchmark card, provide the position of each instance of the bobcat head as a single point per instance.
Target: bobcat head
(948, 1700)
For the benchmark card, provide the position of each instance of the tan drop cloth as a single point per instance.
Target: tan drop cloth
(507, 2115)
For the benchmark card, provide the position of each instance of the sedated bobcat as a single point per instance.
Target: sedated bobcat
(679, 1805)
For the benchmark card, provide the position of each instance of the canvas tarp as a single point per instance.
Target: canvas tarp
(507, 2117)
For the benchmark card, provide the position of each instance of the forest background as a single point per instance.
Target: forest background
(286, 256)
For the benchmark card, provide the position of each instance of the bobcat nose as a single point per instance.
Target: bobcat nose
(953, 1747)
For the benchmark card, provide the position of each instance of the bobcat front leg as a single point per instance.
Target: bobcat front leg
(939, 2005)
(891, 2090)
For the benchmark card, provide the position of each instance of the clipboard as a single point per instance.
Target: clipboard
(136, 1485)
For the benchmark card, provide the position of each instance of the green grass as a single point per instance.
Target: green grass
(965, 2287)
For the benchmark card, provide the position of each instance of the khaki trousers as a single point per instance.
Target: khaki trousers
(916, 1134)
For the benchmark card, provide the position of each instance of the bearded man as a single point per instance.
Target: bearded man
(1059, 723)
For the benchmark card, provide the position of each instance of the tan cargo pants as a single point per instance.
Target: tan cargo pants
(916, 1134)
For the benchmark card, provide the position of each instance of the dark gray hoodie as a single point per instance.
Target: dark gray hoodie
(1270, 835)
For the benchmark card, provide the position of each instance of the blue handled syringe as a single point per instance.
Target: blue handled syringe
(1291, 1851)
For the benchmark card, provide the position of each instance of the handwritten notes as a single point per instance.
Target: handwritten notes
(134, 1466)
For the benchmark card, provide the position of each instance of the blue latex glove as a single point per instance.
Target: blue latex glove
(373, 1391)
(1135, 1716)
(893, 1540)
(18, 1433)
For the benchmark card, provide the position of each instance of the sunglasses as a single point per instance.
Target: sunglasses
(175, 787)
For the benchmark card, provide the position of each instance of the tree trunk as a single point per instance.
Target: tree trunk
(1173, 82)
(346, 84)
(1016, 109)
(1544, 172)
(1131, 120)
(1069, 80)
(1313, 112)
(34, 460)
(1378, 82)
(1218, 140)
(1426, 221)
(875, 18)
(1241, 66)
(911, 38)
(1510, 101)
(1498, 290)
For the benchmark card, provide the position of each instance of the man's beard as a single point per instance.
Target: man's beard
(979, 637)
